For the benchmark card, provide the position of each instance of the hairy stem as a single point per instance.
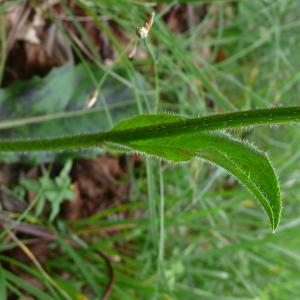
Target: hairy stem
(214, 122)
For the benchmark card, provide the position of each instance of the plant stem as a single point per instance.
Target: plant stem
(186, 125)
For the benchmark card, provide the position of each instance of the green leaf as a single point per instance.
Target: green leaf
(55, 191)
(3, 292)
(241, 159)
(55, 105)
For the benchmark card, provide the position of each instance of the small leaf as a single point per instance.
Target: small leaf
(55, 191)
(248, 164)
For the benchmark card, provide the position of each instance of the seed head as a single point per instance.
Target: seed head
(142, 32)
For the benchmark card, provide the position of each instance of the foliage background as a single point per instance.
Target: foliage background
(175, 232)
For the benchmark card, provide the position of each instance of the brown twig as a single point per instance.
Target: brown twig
(109, 286)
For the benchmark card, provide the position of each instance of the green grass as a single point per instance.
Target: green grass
(197, 234)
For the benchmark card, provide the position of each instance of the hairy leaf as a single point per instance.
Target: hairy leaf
(248, 164)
